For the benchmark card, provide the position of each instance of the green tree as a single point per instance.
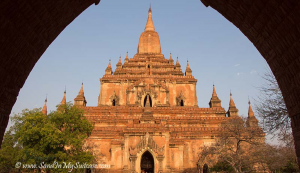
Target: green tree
(9, 153)
(58, 137)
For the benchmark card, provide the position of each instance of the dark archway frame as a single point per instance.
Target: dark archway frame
(29, 27)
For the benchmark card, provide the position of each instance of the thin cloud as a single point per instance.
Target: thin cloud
(253, 71)
(237, 65)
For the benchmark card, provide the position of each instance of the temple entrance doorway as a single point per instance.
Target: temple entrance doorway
(147, 163)
(205, 168)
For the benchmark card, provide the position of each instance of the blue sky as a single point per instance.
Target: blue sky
(217, 51)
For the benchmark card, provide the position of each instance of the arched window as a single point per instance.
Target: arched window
(148, 69)
(114, 102)
(146, 100)
(181, 103)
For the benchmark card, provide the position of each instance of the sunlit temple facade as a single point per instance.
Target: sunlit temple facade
(147, 118)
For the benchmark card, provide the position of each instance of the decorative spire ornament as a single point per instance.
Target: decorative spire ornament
(44, 110)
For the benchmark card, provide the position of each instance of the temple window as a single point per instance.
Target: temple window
(181, 103)
(146, 101)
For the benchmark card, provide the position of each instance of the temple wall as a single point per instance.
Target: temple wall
(101, 150)
(158, 94)
(108, 89)
(178, 157)
(116, 157)
(188, 90)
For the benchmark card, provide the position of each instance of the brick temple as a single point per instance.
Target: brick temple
(147, 118)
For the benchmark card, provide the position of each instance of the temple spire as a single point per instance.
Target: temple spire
(119, 64)
(231, 102)
(214, 91)
(171, 61)
(188, 71)
(80, 99)
(81, 92)
(250, 111)
(232, 111)
(126, 59)
(149, 40)
(177, 64)
(149, 25)
(251, 120)
(214, 101)
(44, 110)
(108, 70)
(120, 61)
(188, 65)
(109, 64)
(64, 101)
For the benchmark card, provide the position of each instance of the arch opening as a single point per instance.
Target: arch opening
(148, 69)
(181, 103)
(147, 163)
(205, 168)
(146, 100)
(114, 102)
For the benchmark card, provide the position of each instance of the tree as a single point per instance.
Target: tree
(58, 137)
(9, 153)
(271, 108)
(276, 158)
(234, 146)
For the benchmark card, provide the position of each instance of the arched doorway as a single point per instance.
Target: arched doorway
(205, 168)
(147, 99)
(147, 163)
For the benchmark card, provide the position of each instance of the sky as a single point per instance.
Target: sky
(217, 51)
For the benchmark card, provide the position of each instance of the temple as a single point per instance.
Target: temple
(147, 118)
